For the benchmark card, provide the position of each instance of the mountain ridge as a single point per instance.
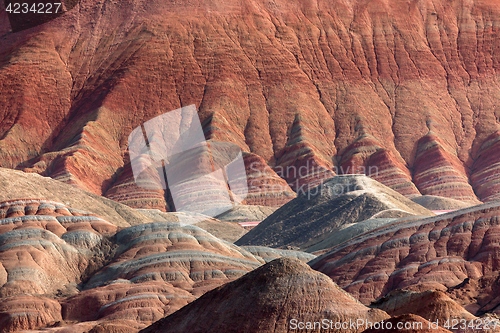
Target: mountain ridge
(409, 88)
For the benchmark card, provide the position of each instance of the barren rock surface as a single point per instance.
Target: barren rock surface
(433, 202)
(265, 300)
(72, 270)
(46, 247)
(456, 252)
(247, 213)
(185, 256)
(269, 254)
(406, 92)
(431, 304)
(17, 184)
(314, 216)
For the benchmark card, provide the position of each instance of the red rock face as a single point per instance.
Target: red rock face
(439, 172)
(141, 303)
(436, 306)
(265, 187)
(485, 174)
(366, 156)
(25, 312)
(457, 252)
(299, 84)
(128, 191)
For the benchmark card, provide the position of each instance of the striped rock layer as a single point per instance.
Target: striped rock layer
(265, 300)
(313, 217)
(67, 268)
(456, 253)
(46, 249)
(301, 84)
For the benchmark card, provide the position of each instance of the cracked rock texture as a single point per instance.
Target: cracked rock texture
(406, 91)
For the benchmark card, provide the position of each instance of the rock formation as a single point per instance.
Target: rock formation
(247, 213)
(68, 269)
(454, 252)
(269, 254)
(17, 184)
(430, 304)
(339, 202)
(308, 89)
(184, 256)
(45, 246)
(266, 300)
(484, 176)
(436, 203)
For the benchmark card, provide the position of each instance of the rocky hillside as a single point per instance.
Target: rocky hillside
(406, 91)
(266, 300)
(339, 203)
(456, 253)
(68, 268)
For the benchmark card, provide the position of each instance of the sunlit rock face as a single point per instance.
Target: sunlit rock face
(311, 88)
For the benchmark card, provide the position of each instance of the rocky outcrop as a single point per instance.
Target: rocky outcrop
(436, 306)
(438, 171)
(247, 213)
(265, 186)
(436, 203)
(265, 300)
(269, 254)
(455, 252)
(349, 231)
(184, 256)
(136, 194)
(68, 269)
(305, 161)
(485, 176)
(339, 202)
(310, 87)
(227, 231)
(141, 303)
(17, 184)
(46, 247)
(25, 312)
(366, 155)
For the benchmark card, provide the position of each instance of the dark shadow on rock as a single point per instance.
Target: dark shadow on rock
(36, 13)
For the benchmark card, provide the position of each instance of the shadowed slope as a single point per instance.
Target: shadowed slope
(340, 201)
